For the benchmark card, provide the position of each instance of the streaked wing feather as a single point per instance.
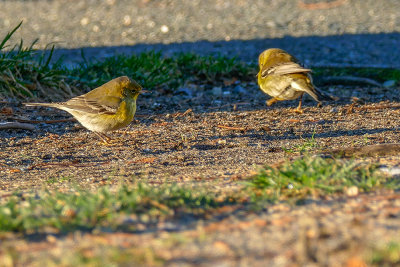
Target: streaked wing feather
(107, 105)
(283, 68)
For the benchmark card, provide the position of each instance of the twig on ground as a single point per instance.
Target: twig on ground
(17, 125)
(180, 114)
(321, 5)
(231, 128)
(350, 109)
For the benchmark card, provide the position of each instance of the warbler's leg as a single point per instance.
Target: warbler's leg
(298, 109)
(104, 137)
(271, 101)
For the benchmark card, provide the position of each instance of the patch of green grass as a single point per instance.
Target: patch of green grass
(26, 74)
(86, 210)
(114, 256)
(386, 256)
(61, 179)
(126, 207)
(86, 254)
(307, 145)
(314, 175)
(153, 70)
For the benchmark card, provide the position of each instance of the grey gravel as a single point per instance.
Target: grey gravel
(358, 32)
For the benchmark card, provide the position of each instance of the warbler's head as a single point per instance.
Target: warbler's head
(274, 56)
(128, 86)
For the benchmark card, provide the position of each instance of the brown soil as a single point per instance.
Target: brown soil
(215, 140)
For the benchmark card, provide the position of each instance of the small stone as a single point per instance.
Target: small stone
(221, 142)
(96, 28)
(271, 24)
(333, 110)
(84, 21)
(127, 20)
(217, 91)
(164, 29)
(352, 191)
(239, 89)
(389, 83)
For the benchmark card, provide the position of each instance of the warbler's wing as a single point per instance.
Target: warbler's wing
(283, 68)
(100, 105)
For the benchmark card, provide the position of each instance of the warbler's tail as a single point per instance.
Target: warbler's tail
(53, 105)
(323, 96)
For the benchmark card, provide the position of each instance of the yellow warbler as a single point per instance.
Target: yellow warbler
(106, 108)
(282, 77)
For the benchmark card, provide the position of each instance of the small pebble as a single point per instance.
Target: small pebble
(127, 20)
(352, 191)
(84, 21)
(164, 29)
(217, 91)
(389, 83)
(239, 89)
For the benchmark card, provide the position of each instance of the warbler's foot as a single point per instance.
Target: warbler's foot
(298, 110)
(271, 101)
(106, 140)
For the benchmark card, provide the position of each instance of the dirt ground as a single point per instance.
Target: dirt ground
(216, 137)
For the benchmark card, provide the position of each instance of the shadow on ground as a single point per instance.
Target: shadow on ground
(375, 50)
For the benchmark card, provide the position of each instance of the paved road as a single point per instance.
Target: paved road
(355, 32)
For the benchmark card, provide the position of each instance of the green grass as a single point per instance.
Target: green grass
(87, 210)
(126, 206)
(24, 73)
(307, 145)
(388, 255)
(315, 176)
(87, 254)
(152, 70)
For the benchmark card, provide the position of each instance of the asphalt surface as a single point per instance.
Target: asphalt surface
(319, 32)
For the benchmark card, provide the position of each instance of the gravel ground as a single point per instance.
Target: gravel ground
(357, 32)
(182, 146)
